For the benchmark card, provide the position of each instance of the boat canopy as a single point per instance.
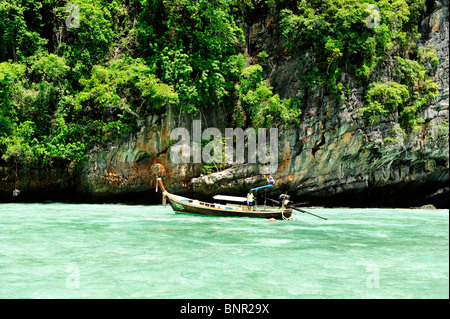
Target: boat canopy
(230, 198)
(261, 187)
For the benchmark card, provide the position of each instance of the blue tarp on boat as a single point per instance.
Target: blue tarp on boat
(261, 187)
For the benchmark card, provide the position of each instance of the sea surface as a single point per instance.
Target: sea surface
(117, 251)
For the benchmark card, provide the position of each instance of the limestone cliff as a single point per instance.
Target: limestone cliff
(331, 158)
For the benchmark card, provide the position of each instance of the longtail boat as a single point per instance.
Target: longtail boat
(182, 204)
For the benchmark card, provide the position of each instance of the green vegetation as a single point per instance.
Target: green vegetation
(260, 104)
(356, 36)
(443, 130)
(383, 99)
(66, 86)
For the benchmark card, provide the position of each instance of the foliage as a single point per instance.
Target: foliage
(76, 96)
(407, 98)
(192, 46)
(264, 108)
(10, 75)
(347, 32)
(217, 160)
(356, 36)
(124, 84)
(66, 89)
(428, 55)
(443, 130)
(421, 88)
(18, 37)
(384, 98)
(89, 44)
(17, 145)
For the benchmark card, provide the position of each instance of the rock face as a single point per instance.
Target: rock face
(331, 158)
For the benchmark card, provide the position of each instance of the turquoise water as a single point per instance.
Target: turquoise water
(116, 251)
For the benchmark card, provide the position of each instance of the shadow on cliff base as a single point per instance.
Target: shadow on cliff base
(394, 196)
(68, 196)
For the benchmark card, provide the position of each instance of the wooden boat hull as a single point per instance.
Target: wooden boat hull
(181, 206)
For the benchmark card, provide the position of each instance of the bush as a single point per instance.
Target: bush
(264, 108)
(384, 98)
